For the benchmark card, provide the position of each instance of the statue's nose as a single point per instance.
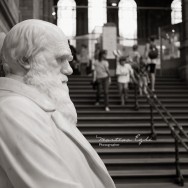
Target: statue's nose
(66, 68)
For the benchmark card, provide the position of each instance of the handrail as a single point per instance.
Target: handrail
(168, 123)
(152, 100)
(168, 113)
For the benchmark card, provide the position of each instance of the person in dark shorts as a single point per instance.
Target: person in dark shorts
(151, 54)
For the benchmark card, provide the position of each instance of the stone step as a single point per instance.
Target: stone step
(144, 164)
(128, 134)
(131, 94)
(122, 139)
(145, 176)
(129, 107)
(127, 119)
(125, 125)
(131, 91)
(149, 185)
(128, 113)
(81, 78)
(83, 101)
(139, 152)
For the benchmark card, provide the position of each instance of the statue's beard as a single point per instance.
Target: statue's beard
(56, 90)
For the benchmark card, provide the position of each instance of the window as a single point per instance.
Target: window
(176, 14)
(97, 15)
(66, 17)
(127, 22)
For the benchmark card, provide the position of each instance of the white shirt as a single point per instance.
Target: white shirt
(124, 72)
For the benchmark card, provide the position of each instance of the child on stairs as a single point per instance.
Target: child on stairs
(124, 73)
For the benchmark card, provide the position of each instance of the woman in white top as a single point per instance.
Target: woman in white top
(102, 77)
(124, 72)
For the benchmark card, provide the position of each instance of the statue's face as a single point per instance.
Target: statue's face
(57, 55)
(50, 67)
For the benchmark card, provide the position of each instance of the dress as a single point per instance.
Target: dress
(39, 147)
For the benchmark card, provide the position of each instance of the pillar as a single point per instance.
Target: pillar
(184, 43)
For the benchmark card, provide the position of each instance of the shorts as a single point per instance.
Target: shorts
(152, 67)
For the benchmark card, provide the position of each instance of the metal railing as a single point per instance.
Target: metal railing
(177, 131)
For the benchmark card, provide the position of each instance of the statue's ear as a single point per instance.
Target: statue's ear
(24, 63)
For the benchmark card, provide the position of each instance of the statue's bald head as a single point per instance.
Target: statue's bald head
(31, 37)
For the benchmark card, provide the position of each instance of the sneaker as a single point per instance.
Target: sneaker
(107, 109)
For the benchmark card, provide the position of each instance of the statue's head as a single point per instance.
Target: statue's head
(39, 52)
(35, 43)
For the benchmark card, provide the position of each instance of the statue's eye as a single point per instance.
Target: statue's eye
(60, 59)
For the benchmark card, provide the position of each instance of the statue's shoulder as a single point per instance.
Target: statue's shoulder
(8, 98)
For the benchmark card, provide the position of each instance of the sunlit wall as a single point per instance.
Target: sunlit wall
(176, 14)
(66, 17)
(128, 22)
(97, 14)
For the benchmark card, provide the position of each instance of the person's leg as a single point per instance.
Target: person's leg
(125, 88)
(152, 75)
(106, 87)
(145, 85)
(98, 91)
(121, 94)
(85, 69)
(81, 69)
(140, 85)
(153, 81)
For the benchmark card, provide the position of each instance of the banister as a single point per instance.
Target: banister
(152, 99)
(170, 126)
(171, 117)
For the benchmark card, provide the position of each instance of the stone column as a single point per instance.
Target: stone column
(184, 42)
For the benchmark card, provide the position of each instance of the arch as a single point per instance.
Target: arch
(176, 14)
(127, 22)
(66, 17)
(97, 14)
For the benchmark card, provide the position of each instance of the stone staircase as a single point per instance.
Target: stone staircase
(122, 136)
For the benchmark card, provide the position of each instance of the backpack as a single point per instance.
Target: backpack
(153, 52)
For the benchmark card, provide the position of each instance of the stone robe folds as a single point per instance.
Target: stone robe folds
(39, 148)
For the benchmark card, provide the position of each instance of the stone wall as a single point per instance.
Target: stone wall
(36, 9)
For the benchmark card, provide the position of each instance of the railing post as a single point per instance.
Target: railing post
(179, 176)
(153, 133)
